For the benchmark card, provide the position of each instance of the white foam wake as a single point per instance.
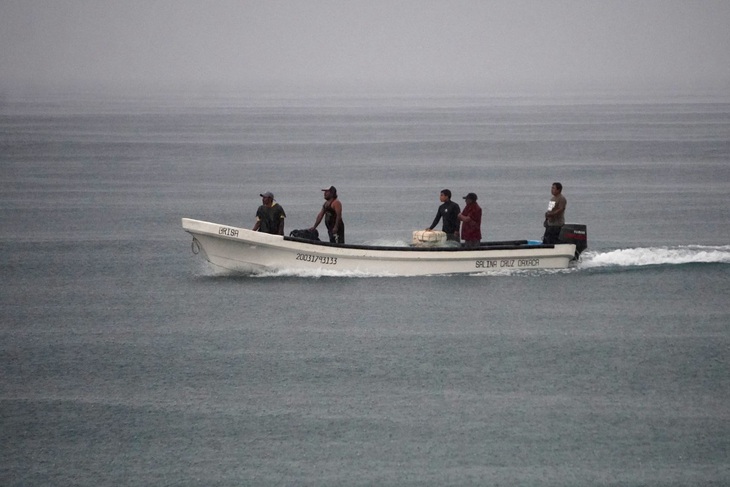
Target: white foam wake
(644, 256)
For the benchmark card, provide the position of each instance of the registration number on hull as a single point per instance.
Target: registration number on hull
(317, 259)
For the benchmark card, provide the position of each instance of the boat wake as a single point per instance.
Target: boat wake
(650, 256)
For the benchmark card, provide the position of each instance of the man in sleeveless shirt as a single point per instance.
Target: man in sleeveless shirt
(332, 214)
(555, 215)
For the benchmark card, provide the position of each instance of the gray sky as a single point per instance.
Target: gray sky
(366, 45)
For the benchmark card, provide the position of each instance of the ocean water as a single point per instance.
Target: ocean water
(127, 360)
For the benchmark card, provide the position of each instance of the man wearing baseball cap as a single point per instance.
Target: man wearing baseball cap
(471, 222)
(270, 216)
(332, 214)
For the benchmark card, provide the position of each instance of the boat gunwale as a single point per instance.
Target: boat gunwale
(282, 241)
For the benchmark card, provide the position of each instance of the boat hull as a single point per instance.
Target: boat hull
(242, 250)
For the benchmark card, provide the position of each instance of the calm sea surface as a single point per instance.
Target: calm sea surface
(127, 360)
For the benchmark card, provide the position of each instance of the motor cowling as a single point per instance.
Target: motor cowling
(574, 233)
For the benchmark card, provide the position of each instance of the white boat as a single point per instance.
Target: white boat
(245, 251)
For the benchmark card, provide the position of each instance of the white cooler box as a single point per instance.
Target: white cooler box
(422, 238)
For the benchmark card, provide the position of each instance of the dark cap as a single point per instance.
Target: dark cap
(267, 194)
(331, 189)
(471, 196)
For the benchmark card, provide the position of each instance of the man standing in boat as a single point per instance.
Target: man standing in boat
(449, 211)
(471, 222)
(555, 215)
(332, 214)
(270, 216)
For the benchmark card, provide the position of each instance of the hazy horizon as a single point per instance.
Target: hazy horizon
(406, 46)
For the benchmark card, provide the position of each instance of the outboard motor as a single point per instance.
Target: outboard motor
(574, 233)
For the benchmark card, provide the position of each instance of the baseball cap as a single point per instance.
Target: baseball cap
(471, 196)
(267, 194)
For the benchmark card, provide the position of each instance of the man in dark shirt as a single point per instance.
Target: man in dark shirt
(449, 211)
(270, 216)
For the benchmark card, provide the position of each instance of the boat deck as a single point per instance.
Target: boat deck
(497, 245)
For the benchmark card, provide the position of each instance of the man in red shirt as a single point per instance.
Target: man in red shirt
(471, 222)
